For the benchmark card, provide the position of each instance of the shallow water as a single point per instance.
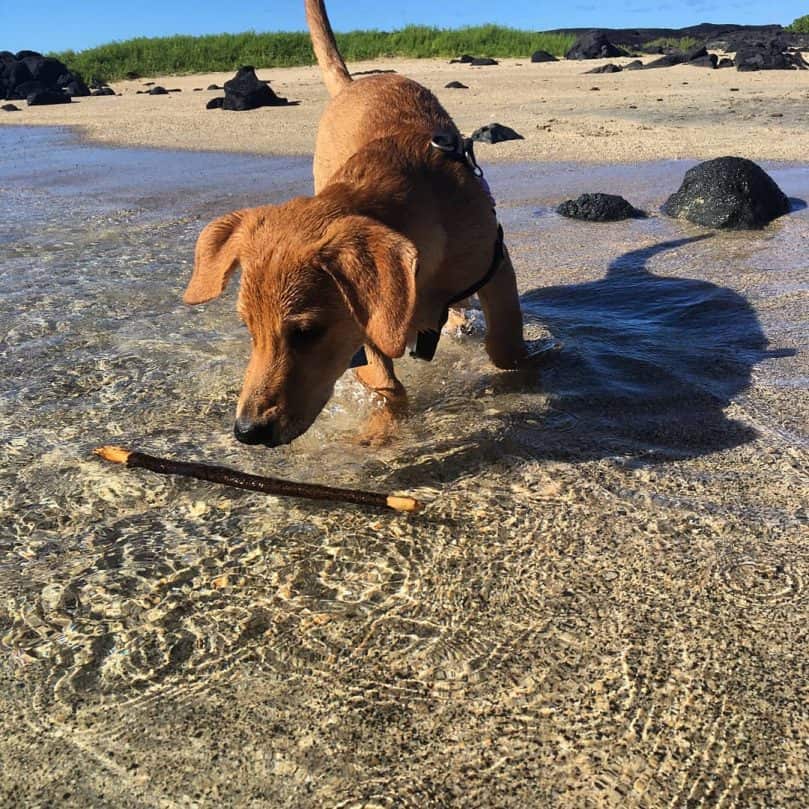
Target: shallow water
(603, 604)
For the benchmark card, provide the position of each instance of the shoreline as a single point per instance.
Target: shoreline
(564, 114)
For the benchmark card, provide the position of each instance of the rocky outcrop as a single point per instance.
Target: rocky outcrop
(245, 91)
(772, 54)
(27, 73)
(710, 61)
(594, 45)
(475, 61)
(599, 207)
(729, 193)
(40, 98)
(608, 68)
(543, 56)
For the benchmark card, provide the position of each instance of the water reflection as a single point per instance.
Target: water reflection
(650, 364)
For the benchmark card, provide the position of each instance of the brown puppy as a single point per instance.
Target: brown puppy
(397, 229)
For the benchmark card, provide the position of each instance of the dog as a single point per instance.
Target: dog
(400, 229)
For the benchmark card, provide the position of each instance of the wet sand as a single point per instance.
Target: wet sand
(563, 114)
(604, 604)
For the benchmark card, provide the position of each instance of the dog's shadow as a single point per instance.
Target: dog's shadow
(650, 364)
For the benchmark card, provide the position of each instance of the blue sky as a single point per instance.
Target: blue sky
(59, 24)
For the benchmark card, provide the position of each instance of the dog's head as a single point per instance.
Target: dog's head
(315, 287)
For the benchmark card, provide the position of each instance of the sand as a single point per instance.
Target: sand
(678, 112)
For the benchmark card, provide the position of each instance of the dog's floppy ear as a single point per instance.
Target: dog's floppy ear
(374, 268)
(215, 258)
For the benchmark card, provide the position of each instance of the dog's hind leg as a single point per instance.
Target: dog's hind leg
(501, 308)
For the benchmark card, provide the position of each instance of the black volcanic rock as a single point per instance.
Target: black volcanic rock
(456, 85)
(725, 62)
(708, 61)
(214, 87)
(770, 55)
(27, 87)
(12, 75)
(543, 56)
(608, 68)
(10, 108)
(599, 208)
(635, 64)
(245, 91)
(103, 91)
(76, 87)
(495, 133)
(215, 103)
(594, 45)
(698, 52)
(28, 72)
(157, 90)
(477, 61)
(40, 98)
(728, 192)
(667, 60)
(713, 36)
(45, 69)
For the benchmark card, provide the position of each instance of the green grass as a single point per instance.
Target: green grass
(216, 52)
(800, 26)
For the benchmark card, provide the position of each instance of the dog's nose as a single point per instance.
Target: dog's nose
(263, 432)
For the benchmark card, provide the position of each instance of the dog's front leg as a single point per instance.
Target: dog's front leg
(501, 307)
(378, 375)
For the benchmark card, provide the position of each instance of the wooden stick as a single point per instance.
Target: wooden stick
(258, 483)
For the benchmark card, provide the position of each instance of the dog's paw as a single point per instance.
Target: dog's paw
(381, 427)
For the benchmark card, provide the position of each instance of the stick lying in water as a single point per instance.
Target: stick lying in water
(242, 480)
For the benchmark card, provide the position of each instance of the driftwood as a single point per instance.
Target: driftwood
(258, 483)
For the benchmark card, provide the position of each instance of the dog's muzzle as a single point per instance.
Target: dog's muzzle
(267, 433)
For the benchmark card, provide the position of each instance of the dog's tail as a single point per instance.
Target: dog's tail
(332, 67)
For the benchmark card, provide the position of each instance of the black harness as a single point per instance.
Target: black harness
(426, 343)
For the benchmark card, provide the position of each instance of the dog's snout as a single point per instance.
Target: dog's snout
(257, 432)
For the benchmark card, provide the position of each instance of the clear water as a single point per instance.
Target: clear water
(556, 628)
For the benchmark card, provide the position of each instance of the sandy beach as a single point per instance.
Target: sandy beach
(563, 114)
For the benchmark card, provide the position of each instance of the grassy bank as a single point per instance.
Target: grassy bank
(189, 54)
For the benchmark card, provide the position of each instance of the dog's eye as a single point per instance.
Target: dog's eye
(303, 337)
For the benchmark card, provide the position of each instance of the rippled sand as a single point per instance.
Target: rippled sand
(604, 604)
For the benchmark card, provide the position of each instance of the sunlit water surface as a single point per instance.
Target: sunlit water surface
(604, 602)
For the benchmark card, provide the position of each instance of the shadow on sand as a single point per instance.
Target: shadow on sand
(649, 366)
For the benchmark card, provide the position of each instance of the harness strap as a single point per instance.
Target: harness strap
(499, 255)
(461, 149)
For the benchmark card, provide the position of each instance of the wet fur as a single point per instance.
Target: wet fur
(395, 229)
